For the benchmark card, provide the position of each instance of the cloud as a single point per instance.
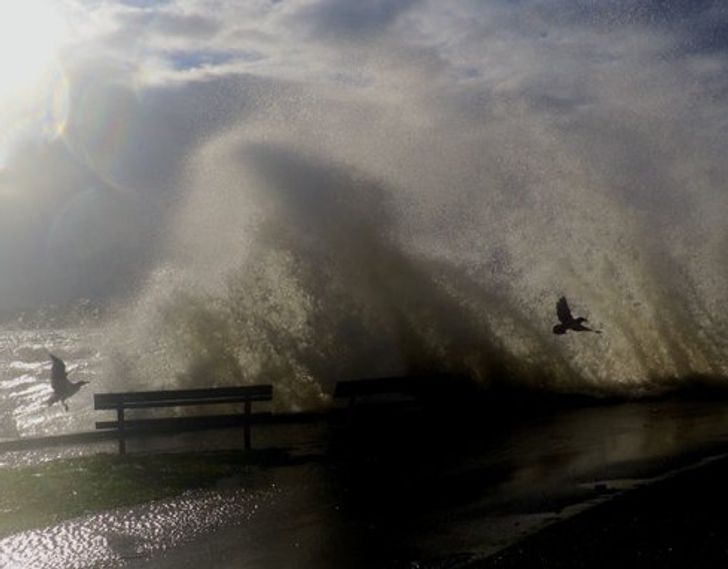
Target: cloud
(346, 19)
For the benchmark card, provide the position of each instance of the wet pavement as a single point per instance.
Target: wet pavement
(398, 490)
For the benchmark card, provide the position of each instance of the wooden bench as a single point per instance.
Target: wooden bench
(120, 402)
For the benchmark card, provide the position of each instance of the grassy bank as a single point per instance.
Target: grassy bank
(44, 494)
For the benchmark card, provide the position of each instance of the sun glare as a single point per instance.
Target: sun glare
(31, 32)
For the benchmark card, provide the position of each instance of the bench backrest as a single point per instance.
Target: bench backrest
(180, 397)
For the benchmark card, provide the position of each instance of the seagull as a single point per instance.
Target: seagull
(568, 322)
(62, 387)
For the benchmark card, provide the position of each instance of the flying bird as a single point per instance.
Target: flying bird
(62, 387)
(568, 322)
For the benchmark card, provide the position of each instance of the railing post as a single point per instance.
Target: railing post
(247, 424)
(122, 429)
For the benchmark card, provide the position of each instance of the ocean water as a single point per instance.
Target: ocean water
(25, 380)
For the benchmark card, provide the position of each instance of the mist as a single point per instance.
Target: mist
(304, 192)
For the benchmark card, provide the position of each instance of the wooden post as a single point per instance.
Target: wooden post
(247, 424)
(122, 433)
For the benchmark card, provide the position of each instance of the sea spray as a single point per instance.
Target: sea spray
(324, 289)
(426, 219)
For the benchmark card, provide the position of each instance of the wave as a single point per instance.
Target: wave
(291, 262)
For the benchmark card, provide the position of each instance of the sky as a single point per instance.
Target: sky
(486, 124)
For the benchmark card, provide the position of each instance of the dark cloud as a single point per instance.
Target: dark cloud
(699, 25)
(351, 19)
(623, 12)
(709, 32)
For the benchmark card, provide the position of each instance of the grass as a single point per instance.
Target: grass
(44, 494)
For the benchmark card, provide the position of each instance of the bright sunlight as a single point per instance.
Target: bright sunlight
(30, 33)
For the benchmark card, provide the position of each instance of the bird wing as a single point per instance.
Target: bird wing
(563, 311)
(59, 378)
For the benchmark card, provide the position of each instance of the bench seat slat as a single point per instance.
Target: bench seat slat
(185, 423)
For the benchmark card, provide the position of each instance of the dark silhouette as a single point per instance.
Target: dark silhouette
(568, 322)
(62, 387)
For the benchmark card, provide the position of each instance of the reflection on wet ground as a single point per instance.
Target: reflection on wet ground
(388, 489)
(115, 538)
